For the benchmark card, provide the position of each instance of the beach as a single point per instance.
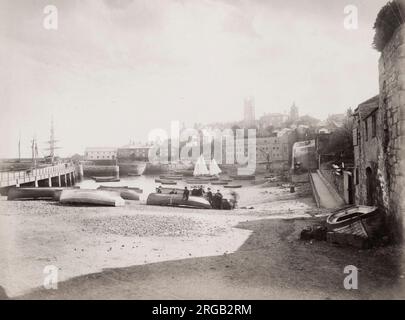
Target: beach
(149, 252)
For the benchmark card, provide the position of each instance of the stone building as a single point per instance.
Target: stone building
(249, 111)
(272, 119)
(366, 152)
(100, 153)
(294, 113)
(380, 133)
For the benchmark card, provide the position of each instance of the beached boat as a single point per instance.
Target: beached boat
(34, 194)
(233, 186)
(131, 174)
(198, 182)
(125, 193)
(106, 179)
(161, 199)
(171, 177)
(345, 217)
(91, 197)
(167, 190)
(243, 177)
(184, 172)
(219, 183)
(136, 189)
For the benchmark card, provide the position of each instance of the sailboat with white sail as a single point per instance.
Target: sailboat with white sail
(202, 173)
(214, 168)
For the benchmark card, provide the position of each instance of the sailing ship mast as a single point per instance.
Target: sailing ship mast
(52, 143)
(19, 147)
(34, 150)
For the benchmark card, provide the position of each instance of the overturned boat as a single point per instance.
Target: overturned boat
(233, 186)
(136, 189)
(106, 179)
(34, 193)
(124, 193)
(91, 197)
(161, 199)
(243, 177)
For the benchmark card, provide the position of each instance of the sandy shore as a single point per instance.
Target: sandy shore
(147, 252)
(84, 240)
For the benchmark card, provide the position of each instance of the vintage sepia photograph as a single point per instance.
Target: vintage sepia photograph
(202, 150)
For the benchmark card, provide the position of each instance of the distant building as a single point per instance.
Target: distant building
(273, 119)
(294, 113)
(133, 152)
(100, 153)
(249, 116)
(269, 151)
(304, 155)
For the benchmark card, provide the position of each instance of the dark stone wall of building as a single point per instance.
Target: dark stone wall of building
(391, 131)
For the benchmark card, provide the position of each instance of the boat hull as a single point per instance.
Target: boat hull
(247, 177)
(91, 197)
(34, 194)
(124, 193)
(136, 189)
(160, 199)
(106, 179)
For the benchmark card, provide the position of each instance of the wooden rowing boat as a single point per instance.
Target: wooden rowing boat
(343, 217)
(124, 193)
(161, 199)
(34, 194)
(106, 179)
(233, 186)
(170, 177)
(91, 197)
(219, 183)
(168, 182)
(167, 190)
(136, 189)
(244, 177)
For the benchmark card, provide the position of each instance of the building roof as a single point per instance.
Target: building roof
(365, 109)
(98, 149)
(134, 146)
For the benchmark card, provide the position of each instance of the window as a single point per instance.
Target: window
(366, 129)
(357, 176)
(355, 137)
(374, 125)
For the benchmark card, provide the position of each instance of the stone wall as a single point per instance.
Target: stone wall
(391, 135)
(335, 181)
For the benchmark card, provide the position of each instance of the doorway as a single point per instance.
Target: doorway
(370, 181)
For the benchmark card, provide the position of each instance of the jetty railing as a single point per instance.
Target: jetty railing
(15, 178)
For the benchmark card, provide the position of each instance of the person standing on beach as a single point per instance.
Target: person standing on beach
(186, 194)
(209, 196)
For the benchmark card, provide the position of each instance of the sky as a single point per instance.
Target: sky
(116, 69)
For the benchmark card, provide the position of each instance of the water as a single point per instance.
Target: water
(148, 184)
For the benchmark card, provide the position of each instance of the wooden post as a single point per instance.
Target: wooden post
(59, 181)
(65, 180)
(36, 181)
(49, 181)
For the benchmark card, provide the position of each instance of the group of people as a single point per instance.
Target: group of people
(215, 199)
